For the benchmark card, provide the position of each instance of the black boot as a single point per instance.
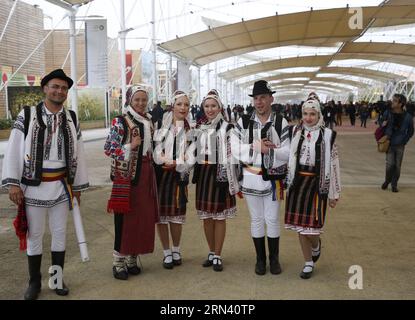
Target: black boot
(274, 249)
(260, 266)
(58, 259)
(35, 284)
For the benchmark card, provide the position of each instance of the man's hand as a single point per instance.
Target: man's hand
(77, 195)
(333, 203)
(263, 145)
(170, 164)
(16, 195)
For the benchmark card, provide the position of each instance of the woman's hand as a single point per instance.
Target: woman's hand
(333, 203)
(136, 139)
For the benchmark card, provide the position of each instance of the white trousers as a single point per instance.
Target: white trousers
(263, 212)
(36, 218)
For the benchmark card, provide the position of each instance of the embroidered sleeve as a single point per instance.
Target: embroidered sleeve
(281, 153)
(240, 149)
(81, 176)
(78, 131)
(335, 185)
(13, 161)
(19, 122)
(113, 145)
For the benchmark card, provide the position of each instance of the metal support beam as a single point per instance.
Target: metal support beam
(153, 34)
(74, 71)
(122, 34)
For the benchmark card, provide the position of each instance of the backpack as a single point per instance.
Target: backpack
(27, 110)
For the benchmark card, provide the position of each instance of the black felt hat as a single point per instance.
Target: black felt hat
(261, 87)
(56, 74)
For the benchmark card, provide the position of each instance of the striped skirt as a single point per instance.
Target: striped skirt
(213, 199)
(172, 197)
(301, 205)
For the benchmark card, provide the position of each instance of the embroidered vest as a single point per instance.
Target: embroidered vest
(132, 167)
(34, 177)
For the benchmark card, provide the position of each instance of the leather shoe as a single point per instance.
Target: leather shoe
(64, 291)
(208, 262)
(168, 265)
(217, 264)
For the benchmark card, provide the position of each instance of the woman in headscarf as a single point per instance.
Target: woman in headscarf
(313, 181)
(215, 177)
(172, 176)
(133, 199)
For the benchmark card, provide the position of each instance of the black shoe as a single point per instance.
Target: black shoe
(177, 262)
(260, 266)
(120, 274)
(132, 267)
(168, 265)
(315, 258)
(134, 270)
(35, 284)
(275, 267)
(395, 189)
(385, 185)
(274, 248)
(217, 264)
(208, 262)
(62, 292)
(58, 259)
(306, 275)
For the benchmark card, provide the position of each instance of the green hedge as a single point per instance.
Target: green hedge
(6, 124)
(90, 108)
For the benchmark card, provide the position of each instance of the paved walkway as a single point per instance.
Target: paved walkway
(371, 228)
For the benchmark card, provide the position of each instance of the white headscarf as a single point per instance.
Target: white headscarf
(213, 94)
(131, 91)
(314, 105)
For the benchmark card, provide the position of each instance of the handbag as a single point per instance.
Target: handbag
(380, 132)
(383, 144)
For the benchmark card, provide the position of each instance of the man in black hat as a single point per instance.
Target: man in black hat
(261, 143)
(44, 170)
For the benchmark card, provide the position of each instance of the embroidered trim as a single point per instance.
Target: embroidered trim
(304, 230)
(49, 133)
(254, 192)
(19, 124)
(60, 140)
(81, 187)
(10, 181)
(225, 214)
(173, 219)
(46, 203)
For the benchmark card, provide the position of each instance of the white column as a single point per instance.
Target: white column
(74, 75)
(208, 77)
(153, 31)
(216, 75)
(122, 47)
(169, 79)
(199, 96)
